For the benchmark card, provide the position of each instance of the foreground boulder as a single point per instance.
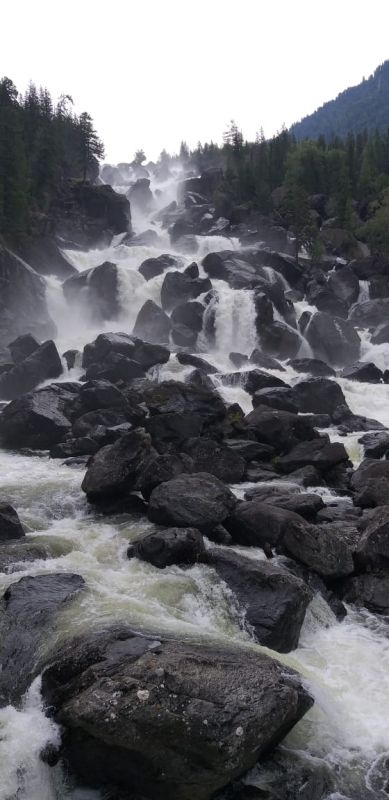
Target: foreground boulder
(112, 472)
(370, 483)
(168, 546)
(139, 353)
(23, 307)
(318, 395)
(42, 364)
(274, 601)
(27, 616)
(152, 324)
(22, 347)
(370, 591)
(199, 501)
(333, 340)
(38, 419)
(10, 525)
(166, 718)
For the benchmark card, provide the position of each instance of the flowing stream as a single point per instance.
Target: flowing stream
(345, 665)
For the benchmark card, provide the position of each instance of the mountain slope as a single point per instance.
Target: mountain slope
(365, 106)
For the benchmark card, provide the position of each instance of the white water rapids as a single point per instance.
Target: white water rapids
(345, 665)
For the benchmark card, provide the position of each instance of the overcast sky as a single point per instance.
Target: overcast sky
(154, 72)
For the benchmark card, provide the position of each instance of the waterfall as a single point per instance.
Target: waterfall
(235, 317)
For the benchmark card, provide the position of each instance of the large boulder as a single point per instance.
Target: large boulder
(166, 718)
(372, 550)
(280, 340)
(38, 419)
(168, 546)
(42, 364)
(370, 313)
(280, 397)
(22, 347)
(187, 359)
(320, 453)
(345, 285)
(169, 431)
(370, 590)
(96, 210)
(252, 380)
(96, 289)
(27, 616)
(10, 525)
(152, 267)
(152, 324)
(313, 366)
(199, 501)
(320, 548)
(376, 444)
(179, 287)
(370, 483)
(210, 456)
(332, 339)
(189, 314)
(318, 395)
(112, 472)
(108, 345)
(274, 601)
(260, 524)
(161, 468)
(141, 196)
(173, 397)
(280, 429)
(23, 307)
(363, 371)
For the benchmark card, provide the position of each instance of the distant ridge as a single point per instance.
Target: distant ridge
(365, 106)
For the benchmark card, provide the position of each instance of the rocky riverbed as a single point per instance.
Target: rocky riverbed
(194, 546)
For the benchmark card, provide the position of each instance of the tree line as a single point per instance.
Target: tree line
(42, 145)
(281, 177)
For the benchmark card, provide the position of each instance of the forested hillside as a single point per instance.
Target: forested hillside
(359, 108)
(41, 145)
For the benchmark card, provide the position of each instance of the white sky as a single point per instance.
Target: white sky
(153, 72)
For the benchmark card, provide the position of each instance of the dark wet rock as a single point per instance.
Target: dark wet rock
(147, 238)
(114, 469)
(280, 340)
(252, 380)
(80, 446)
(154, 739)
(189, 314)
(349, 423)
(72, 357)
(320, 548)
(370, 591)
(199, 378)
(178, 288)
(27, 615)
(274, 601)
(333, 339)
(313, 366)
(199, 500)
(345, 285)
(161, 468)
(258, 471)
(152, 324)
(141, 196)
(250, 450)
(370, 313)
(169, 431)
(99, 394)
(23, 307)
(22, 347)
(257, 524)
(38, 419)
(14, 555)
(283, 775)
(319, 420)
(306, 476)
(156, 266)
(320, 453)
(265, 361)
(341, 512)
(210, 456)
(381, 334)
(280, 429)
(375, 445)
(184, 336)
(115, 369)
(372, 551)
(107, 345)
(96, 210)
(280, 397)
(192, 271)
(97, 288)
(187, 359)
(320, 294)
(238, 359)
(167, 546)
(44, 254)
(370, 483)
(307, 505)
(10, 525)
(173, 397)
(362, 371)
(263, 493)
(42, 364)
(318, 395)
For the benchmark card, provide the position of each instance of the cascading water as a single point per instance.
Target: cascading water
(346, 665)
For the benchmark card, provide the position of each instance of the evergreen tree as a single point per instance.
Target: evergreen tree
(90, 145)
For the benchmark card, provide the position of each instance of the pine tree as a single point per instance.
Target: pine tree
(90, 145)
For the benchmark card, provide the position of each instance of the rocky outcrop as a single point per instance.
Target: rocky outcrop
(168, 546)
(165, 718)
(23, 307)
(38, 419)
(333, 340)
(27, 614)
(42, 364)
(199, 501)
(274, 601)
(112, 472)
(152, 324)
(96, 289)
